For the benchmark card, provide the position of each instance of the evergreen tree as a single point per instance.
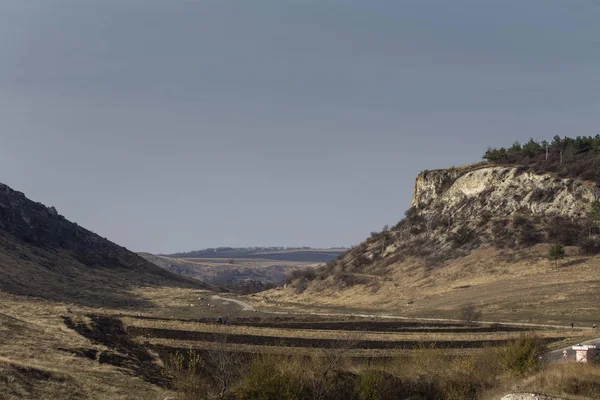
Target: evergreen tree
(531, 148)
(515, 148)
(556, 253)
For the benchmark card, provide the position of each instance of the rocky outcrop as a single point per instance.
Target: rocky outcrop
(459, 210)
(430, 185)
(500, 191)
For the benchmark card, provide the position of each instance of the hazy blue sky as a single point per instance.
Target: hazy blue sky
(172, 125)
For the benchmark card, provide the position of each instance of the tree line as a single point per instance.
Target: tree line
(577, 157)
(564, 148)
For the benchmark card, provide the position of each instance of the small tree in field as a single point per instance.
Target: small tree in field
(556, 253)
(469, 313)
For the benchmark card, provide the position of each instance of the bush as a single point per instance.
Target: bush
(526, 232)
(523, 355)
(590, 246)
(556, 252)
(377, 385)
(361, 261)
(308, 274)
(267, 378)
(300, 285)
(564, 231)
(462, 236)
(184, 373)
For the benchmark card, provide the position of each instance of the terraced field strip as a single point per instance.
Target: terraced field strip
(317, 323)
(357, 342)
(166, 328)
(168, 346)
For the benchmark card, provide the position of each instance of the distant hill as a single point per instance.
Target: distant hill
(42, 254)
(303, 254)
(245, 270)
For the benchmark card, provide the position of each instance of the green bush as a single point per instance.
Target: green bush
(370, 385)
(523, 355)
(270, 379)
(556, 252)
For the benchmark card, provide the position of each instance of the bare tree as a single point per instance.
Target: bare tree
(469, 313)
(329, 361)
(223, 365)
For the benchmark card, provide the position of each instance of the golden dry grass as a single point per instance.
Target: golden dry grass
(506, 285)
(567, 380)
(33, 364)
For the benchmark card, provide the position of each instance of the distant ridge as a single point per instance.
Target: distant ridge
(304, 254)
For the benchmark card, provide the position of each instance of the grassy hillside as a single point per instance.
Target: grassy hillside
(44, 255)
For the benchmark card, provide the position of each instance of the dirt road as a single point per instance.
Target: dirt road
(245, 306)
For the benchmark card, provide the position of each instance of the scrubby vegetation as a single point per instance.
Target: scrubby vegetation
(556, 253)
(577, 157)
(425, 373)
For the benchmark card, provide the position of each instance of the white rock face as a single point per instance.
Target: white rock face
(500, 190)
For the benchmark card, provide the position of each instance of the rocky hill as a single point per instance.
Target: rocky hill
(455, 211)
(483, 222)
(42, 254)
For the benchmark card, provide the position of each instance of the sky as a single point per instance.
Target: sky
(173, 125)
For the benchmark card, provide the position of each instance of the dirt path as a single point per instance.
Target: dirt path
(245, 306)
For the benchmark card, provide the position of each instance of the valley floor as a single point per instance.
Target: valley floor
(51, 350)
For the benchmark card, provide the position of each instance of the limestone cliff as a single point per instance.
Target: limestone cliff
(500, 191)
(459, 210)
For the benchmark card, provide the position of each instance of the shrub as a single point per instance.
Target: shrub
(347, 280)
(564, 231)
(267, 378)
(526, 232)
(361, 260)
(462, 236)
(556, 252)
(523, 355)
(375, 385)
(308, 274)
(184, 372)
(590, 246)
